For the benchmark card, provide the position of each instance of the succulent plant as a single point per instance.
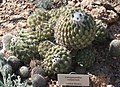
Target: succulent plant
(44, 31)
(37, 17)
(2, 59)
(101, 32)
(80, 70)
(14, 62)
(28, 40)
(55, 13)
(114, 48)
(44, 46)
(85, 57)
(24, 72)
(57, 60)
(75, 29)
(25, 47)
(7, 69)
(6, 39)
(38, 81)
(38, 70)
(1, 84)
(38, 23)
(8, 80)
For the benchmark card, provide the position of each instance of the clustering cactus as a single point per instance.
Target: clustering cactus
(6, 39)
(24, 72)
(25, 47)
(38, 81)
(114, 48)
(38, 70)
(7, 69)
(14, 62)
(101, 32)
(8, 81)
(55, 35)
(85, 57)
(75, 29)
(57, 60)
(37, 17)
(44, 47)
(55, 13)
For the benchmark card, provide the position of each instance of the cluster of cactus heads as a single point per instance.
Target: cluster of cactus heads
(8, 78)
(52, 37)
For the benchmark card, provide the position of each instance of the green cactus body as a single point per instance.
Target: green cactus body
(55, 13)
(85, 57)
(44, 46)
(101, 32)
(38, 70)
(6, 39)
(24, 72)
(37, 17)
(7, 69)
(114, 48)
(57, 60)
(75, 29)
(25, 46)
(43, 32)
(14, 62)
(38, 81)
(28, 40)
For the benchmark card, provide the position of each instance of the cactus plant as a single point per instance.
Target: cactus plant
(24, 72)
(37, 17)
(101, 32)
(44, 46)
(114, 48)
(7, 69)
(25, 47)
(14, 62)
(57, 60)
(38, 70)
(85, 57)
(8, 81)
(6, 39)
(38, 81)
(75, 29)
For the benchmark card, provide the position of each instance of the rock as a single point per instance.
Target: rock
(117, 8)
